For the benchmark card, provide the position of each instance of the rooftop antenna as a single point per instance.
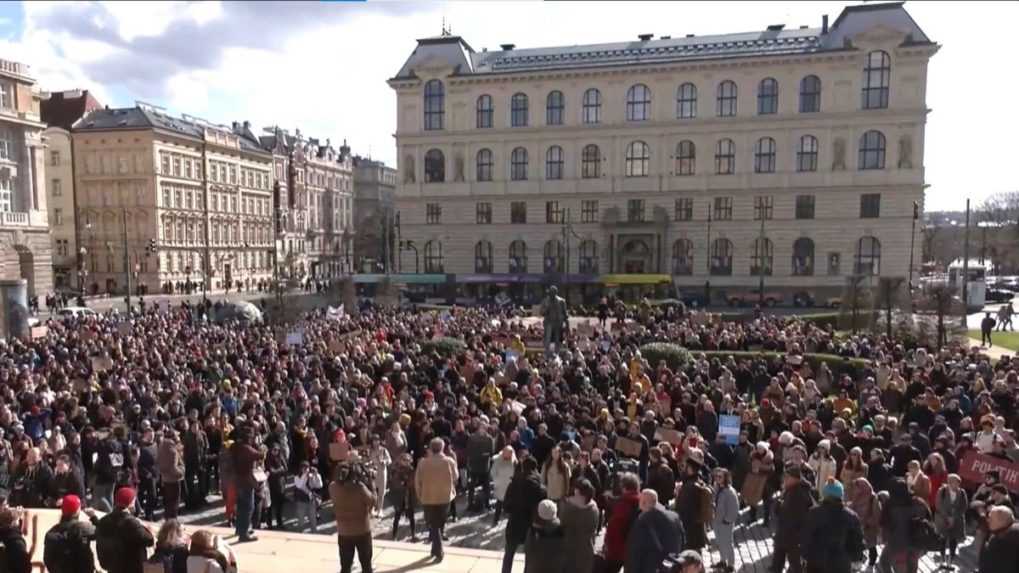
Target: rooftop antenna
(446, 30)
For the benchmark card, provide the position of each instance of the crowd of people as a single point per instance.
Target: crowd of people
(152, 414)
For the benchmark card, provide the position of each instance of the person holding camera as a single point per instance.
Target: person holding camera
(353, 504)
(306, 485)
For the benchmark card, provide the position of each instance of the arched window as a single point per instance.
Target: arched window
(433, 257)
(638, 103)
(721, 257)
(592, 106)
(767, 96)
(727, 99)
(553, 256)
(872, 150)
(518, 164)
(518, 257)
(877, 74)
(686, 101)
(590, 162)
(764, 155)
(555, 106)
(803, 257)
(763, 256)
(806, 154)
(810, 94)
(868, 256)
(682, 257)
(725, 157)
(588, 263)
(685, 157)
(554, 162)
(486, 111)
(435, 166)
(484, 165)
(638, 158)
(483, 257)
(518, 110)
(435, 104)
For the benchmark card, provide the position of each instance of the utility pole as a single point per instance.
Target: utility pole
(965, 268)
(127, 262)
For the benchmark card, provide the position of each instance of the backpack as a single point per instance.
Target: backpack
(706, 500)
(58, 549)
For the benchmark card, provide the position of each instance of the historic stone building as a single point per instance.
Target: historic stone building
(25, 251)
(171, 202)
(59, 111)
(374, 218)
(795, 155)
(313, 192)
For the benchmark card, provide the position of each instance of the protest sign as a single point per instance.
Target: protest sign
(295, 337)
(674, 437)
(627, 447)
(101, 363)
(40, 331)
(974, 466)
(728, 426)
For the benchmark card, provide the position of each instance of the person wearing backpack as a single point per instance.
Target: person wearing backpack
(67, 547)
(901, 521)
(832, 537)
(797, 500)
(122, 541)
(695, 505)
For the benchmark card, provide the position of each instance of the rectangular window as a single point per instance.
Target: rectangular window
(764, 207)
(635, 210)
(166, 198)
(187, 168)
(433, 213)
(870, 205)
(233, 175)
(178, 199)
(56, 188)
(723, 209)
(589, 211)
(164, 164)
(62, 247)
(683, 209)
(804, 206)
(484, 213)
(518, 212)
(553, 215)
(54, 158)
(176, 166)
(7, 95)
(58, 216)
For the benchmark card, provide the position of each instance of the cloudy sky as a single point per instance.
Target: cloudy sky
(322, 66)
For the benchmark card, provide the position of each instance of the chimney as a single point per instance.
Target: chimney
(235, 125)
(247, 125)
(690, 35)
(507, 47)
(645, 37)
(666, 37)
(824, 24)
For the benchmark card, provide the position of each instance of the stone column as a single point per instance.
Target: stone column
(14, 308)
(29, 187)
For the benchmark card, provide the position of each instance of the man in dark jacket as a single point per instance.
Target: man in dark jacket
(244, 457)
(792, 515)
(68, 544)
(148, 473)
(480, 449)
(196, 477)
(903, 453)
(690, 505)
(1000, 553)
(110, 465)
(122, 541)
(656, 534)
(833, 535)
(523, 495)
(66, 480)
(15, 557)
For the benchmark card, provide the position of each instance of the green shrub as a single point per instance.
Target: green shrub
(444, 345)
(673, 354)
(837, 364)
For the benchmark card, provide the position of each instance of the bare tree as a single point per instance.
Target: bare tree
(889, 292)
(939, 298)
(1001, 208)
(855, 297)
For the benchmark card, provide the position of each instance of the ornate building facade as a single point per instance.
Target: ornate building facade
(374, 218)
(792, 157)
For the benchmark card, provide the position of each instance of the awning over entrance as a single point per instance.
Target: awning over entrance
(635, 279)
(525, 278)
(407, 278)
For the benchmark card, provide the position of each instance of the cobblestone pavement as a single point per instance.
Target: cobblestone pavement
(476, 531)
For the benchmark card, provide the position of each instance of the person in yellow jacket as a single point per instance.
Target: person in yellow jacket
(491, 394)
(517, 346)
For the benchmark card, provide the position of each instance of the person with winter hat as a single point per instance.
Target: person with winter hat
(67, 545)
(122, 541)
(545, 544)
(832, 537)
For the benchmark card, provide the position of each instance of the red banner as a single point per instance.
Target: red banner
(974, 466)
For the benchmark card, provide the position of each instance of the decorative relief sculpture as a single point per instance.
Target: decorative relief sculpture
(905, 152)
(408, 169)
(839, 160)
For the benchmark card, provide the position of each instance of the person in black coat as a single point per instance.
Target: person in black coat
(16, 556)
(65, 481)
(656, 534)
(31, 482)
(523, 495)
(832, 538)
(1000, 554)
(797, 500)
(121, 540)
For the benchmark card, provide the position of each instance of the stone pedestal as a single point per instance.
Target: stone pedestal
(14, 308)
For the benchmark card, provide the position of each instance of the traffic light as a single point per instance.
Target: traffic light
(151, 248)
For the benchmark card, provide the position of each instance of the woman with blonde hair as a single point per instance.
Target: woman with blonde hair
(208, 554)
(556, 475)
(937, 472)
(918, 482)
(171, 547)
(865, 503)
(853, 468)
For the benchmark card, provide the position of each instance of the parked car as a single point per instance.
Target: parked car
(75, 312)
(999, 295)
(803, 299)
(753, 296)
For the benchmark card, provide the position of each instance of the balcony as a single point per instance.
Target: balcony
(14, 218)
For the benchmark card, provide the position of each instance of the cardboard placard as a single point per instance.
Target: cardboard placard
(339, 451)
(295, 337)
(585, 329)
(40, 331)
(101, 363)
(674, 437)
(336, 346)
(627, 447)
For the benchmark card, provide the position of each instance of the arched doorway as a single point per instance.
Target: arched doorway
(26, 262)
(636, 257)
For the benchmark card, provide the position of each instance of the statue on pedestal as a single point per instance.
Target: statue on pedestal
(555, 318)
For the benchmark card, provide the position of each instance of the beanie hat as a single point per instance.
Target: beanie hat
(70, 505)
(833, 490)
(124, 497)
(547, 510)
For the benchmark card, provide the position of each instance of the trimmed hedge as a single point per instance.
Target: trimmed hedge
(838, 365)
(674, 355)
(445, 345)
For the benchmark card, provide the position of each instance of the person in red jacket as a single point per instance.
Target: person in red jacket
(621, 518)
